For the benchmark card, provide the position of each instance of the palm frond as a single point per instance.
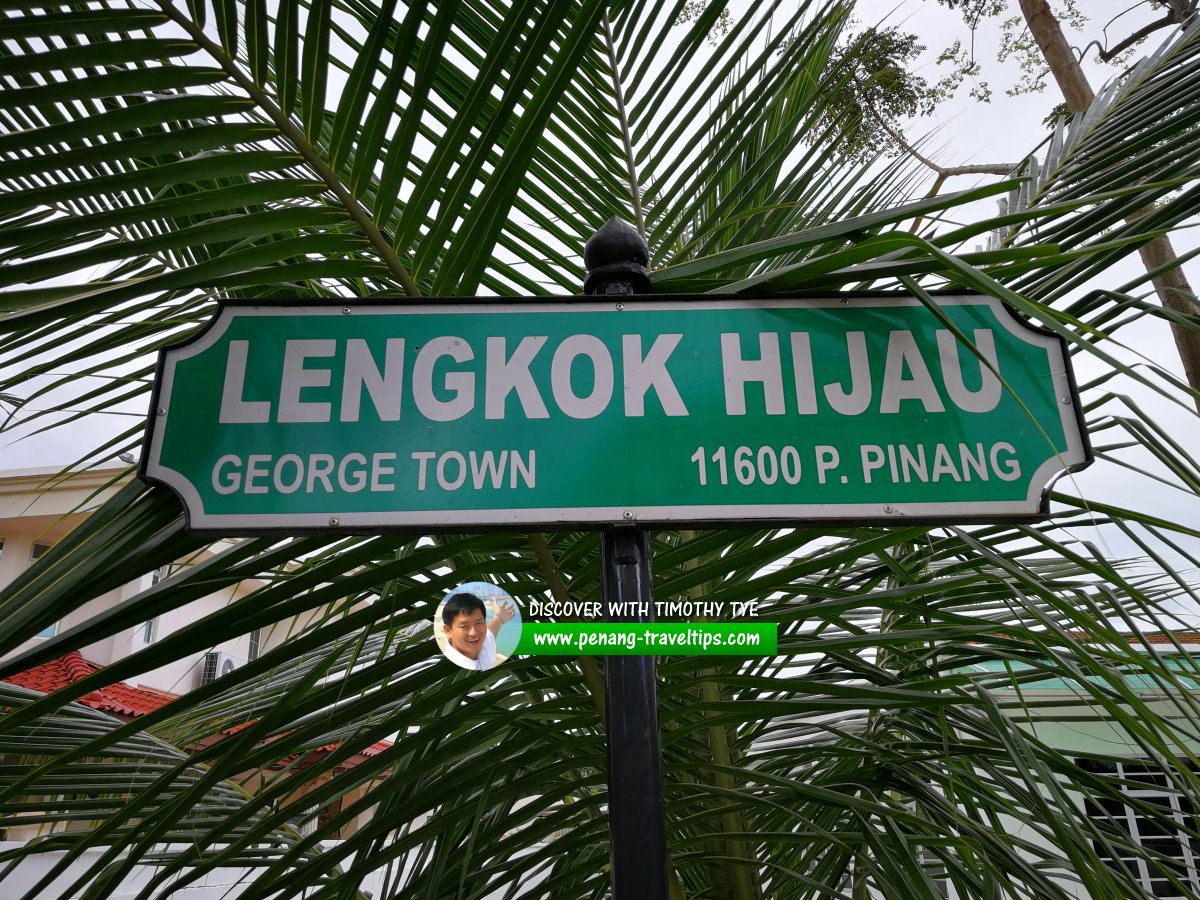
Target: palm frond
(158, 161)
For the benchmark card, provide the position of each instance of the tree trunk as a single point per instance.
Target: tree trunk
(1058, 54)
(1174, 291)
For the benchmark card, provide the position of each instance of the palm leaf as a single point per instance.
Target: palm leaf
(106, 789)
(158, 161)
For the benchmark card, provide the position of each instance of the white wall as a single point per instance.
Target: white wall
(223, 883)
(217, 885)
(34, 510)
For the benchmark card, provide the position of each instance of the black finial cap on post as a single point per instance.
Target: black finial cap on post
(616, 257)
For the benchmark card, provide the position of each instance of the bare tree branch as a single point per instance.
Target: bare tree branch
(942, 172)
(946, 171)
(1146, 30)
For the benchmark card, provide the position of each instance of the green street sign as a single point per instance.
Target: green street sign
(562, 412)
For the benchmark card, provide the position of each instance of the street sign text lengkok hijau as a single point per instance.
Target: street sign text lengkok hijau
(449, 378)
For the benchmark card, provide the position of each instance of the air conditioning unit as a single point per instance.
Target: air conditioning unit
(218, 663)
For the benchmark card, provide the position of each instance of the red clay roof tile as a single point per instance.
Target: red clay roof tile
(120, 699)
(1154, 637)
(311, 755)
(126, 700)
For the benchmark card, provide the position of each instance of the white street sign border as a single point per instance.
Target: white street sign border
(1035, 505)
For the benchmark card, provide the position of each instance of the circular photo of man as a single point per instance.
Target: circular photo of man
(477, 625)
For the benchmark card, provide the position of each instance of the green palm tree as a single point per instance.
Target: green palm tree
(161, 156)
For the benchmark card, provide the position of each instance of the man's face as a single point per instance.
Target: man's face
(466, 633)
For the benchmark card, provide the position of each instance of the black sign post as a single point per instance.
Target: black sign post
(616, 257)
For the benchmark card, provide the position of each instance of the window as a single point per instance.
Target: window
(1156, 822)
(150, 631)
(38, 551)
(935, 868)
(255, 645)
(306, 821)
(162, 573)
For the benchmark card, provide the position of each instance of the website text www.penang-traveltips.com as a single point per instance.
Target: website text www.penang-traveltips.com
(691, 639)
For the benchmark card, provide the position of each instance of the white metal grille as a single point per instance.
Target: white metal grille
(1161, 824)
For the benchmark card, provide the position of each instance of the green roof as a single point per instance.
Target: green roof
(1187, 667)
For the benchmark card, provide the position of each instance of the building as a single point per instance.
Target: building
(36, 512)
(1140, 802)
(38, 509)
